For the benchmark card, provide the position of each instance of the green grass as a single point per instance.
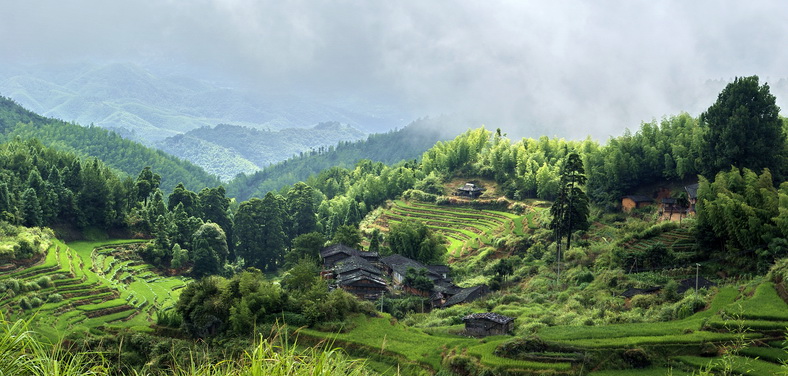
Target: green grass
(765, 304)
(771, 354)
(650, 371)
(739, 365)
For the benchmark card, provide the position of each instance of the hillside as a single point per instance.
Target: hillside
(403, 144)
(227, 150)
(124, 155)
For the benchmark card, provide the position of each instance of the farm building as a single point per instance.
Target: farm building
(397, 266)
(469, 190)
(333, 254)
(633, 202)
(487, 324)
(467, 295)
(359, 277)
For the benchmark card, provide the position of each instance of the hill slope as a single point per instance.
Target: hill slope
(403, 144)
(227, 150)
(127, 156)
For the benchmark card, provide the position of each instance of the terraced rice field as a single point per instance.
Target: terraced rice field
(679, 240)
(390, 340)
(88, 286)
(465, 229)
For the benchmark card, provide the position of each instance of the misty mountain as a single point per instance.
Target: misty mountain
(121, 154)
(150, 107)
(227, 150)
(391, 147)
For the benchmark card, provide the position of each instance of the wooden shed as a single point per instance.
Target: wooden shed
(487, 324)
(469, 190)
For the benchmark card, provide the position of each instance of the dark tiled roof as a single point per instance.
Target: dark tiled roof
(668, 200)
(446, 287)
(440, 269)
(337, 248)
(350, 278)
(494, 317)
(692, 191)
(355, 263)
(637, 198)
(462, 295)
(341, 248)
(400, 263)
(470, 187)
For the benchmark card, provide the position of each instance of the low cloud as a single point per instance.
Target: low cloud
(569, 69)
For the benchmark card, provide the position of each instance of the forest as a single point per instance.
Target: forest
(547, 238)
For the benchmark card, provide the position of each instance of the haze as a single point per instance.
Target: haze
(567, 68)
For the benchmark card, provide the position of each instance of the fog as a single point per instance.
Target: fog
(563, 68)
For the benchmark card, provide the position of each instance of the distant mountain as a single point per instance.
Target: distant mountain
(151, 107)
(391, 147)
(227, 150)
(124, 155)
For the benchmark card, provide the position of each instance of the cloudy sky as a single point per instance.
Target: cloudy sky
(566, 68)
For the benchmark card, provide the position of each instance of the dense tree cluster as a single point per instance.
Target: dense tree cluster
(743, 214)
(216, 305)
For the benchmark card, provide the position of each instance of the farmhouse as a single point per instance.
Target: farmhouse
(487, 324)
(469, 190)
(397, 266)
(467, 295)
(359, 277)
(633, 202)
(333, 254)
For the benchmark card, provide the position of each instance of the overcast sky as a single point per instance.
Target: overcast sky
(567, 68)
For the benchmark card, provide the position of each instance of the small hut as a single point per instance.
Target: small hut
(487, 324)
(469, 190)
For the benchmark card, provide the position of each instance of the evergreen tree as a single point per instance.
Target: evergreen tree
(347, 235)
(209, 250)
(147, 182)
(743, 129)
(215, 207)
(300, 210)
(189, 199)
(31, 208)
(570, 209)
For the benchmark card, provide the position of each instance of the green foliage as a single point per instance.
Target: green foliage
(390, 148)
(418, 279)
(741, 211)
(127, 156)
(744, 130)
(414, 240)
(347, 235)
(570, 209)
(210, 250)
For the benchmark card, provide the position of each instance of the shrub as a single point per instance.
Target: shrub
(24, 303)
(36, 302)
(636, 358)
(44, 281)
(54, 298)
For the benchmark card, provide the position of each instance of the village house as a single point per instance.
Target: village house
(333, 254)
(359, 277)
(467, 295)
(469, 190)
(397, 266)
(634, 201)
(487, 324)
